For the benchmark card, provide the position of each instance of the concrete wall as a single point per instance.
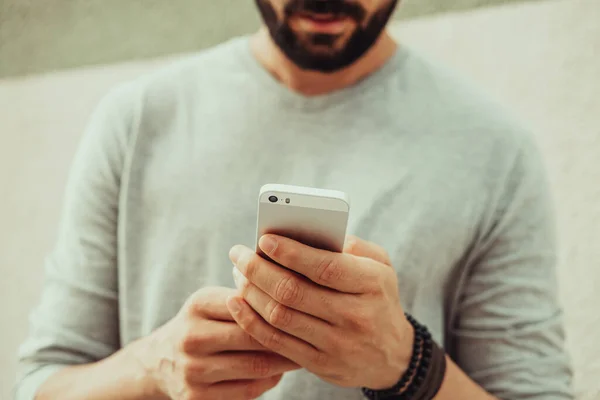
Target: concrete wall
(542, 59)
(40, 36)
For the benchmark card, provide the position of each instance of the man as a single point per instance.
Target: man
(139, 301)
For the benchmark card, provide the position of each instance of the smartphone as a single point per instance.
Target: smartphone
(315, 217)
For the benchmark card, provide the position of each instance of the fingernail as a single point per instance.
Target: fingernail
(234, 253)
(234, 305)
(268, 244)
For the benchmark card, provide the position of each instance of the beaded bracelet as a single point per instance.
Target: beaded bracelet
(425, 373)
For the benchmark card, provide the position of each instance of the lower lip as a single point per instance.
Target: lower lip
(331, 26)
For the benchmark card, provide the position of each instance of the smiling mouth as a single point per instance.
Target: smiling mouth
(323, 23)
(323, 17)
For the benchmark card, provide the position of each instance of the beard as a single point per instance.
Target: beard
(300, 48)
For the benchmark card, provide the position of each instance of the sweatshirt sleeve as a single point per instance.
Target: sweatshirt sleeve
(76, 319)
(509, 334)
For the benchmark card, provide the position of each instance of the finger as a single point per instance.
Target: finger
(231, 366)
(308, 328)
(210, 303)
(339, 271)
(362, 248)
(287, 287)
(240, 390)
(208, 337)
(279, 342)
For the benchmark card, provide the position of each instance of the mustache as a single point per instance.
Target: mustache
(338, 8)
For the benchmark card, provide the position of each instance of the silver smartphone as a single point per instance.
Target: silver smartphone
(315, 217)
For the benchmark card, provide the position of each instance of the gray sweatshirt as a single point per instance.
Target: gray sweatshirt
(167, 176)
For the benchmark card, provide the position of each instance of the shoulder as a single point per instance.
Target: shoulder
(162, 95)
(193, 71)
(187, 75)
(459, 114)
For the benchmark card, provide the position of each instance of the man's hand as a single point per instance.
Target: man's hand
(203, 354)
(337, 315)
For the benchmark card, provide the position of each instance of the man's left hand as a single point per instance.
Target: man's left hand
(336, 314)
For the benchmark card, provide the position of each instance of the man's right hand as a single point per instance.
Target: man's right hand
(203, 354)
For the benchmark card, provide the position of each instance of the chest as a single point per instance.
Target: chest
(193, 198)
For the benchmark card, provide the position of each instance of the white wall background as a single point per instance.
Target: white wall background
(542, 59)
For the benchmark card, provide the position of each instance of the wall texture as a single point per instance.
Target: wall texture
(39, 36)
(542, 59)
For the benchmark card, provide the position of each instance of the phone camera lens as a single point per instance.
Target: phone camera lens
(273, 199)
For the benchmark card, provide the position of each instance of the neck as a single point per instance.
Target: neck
(312, 83)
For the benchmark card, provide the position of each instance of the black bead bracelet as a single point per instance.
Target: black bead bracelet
(425, 373)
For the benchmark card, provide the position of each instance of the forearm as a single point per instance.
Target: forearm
(457, 385)
(119, 377)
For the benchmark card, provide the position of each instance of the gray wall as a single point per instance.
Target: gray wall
(44, 35)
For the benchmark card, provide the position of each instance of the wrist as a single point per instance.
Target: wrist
(401, 359)
(141, 355)
(425, 374)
